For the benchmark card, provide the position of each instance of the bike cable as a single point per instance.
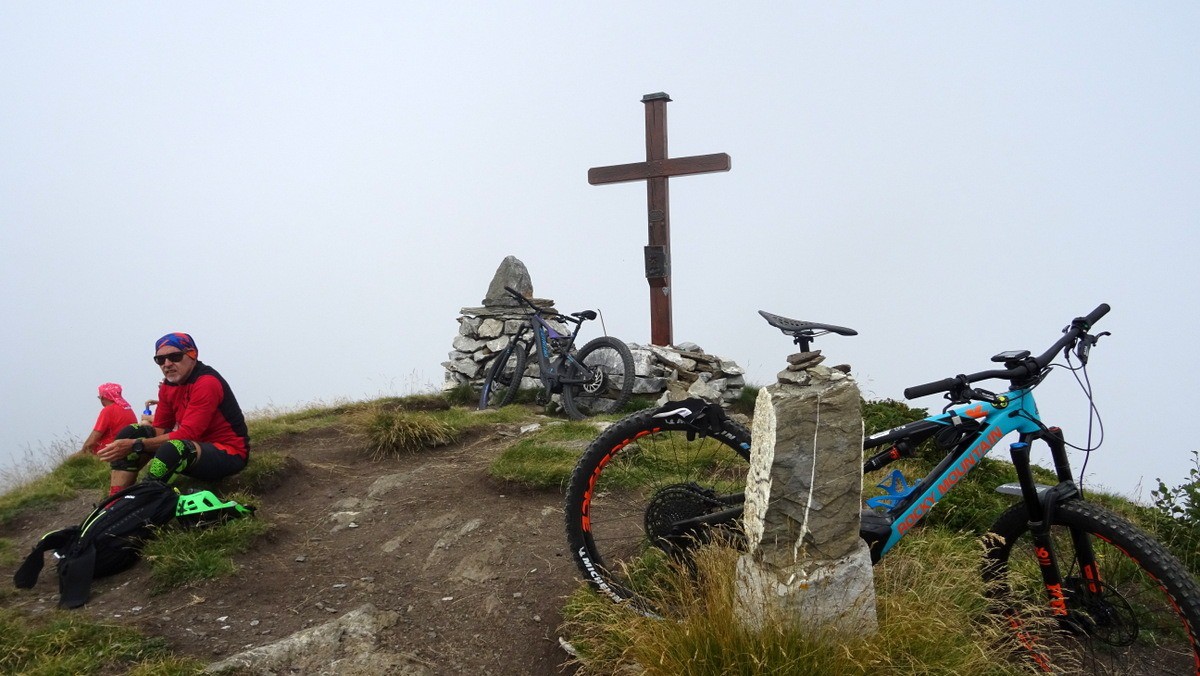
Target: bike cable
(603, 328)
(1094, 419)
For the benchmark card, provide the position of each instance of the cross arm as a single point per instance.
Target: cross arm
(675, 166)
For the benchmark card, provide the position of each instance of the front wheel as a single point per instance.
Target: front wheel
(1136, 612)
(637, 482)
(504, 377)
(607, 365)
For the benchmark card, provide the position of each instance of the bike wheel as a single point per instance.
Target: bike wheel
(610, 383)
(1141, 617)
(636, 479)
(503, 378)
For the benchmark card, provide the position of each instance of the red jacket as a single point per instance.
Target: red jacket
(203, 409)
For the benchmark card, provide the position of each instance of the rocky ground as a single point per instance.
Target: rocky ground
(431, 567)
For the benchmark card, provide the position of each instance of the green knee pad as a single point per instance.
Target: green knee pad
(171, 458)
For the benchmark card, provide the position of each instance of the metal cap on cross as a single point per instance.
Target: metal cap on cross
(655, 171)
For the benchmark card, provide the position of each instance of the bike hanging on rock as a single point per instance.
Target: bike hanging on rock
(596, 379)
(1080, 587)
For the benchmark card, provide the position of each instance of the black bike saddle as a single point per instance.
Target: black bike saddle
(803, 332)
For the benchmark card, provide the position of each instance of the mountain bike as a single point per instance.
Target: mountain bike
(1080, 587)
(595, 379)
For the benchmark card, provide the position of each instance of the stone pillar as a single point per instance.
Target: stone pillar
(805, 561)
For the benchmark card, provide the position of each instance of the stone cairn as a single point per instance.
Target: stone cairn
(805, 561)
(667, 373)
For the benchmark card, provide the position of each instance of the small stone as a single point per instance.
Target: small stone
(222, 618)
(254, 623)
(537, 618)
(300, 559)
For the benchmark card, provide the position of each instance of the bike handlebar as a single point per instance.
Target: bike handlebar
(541, 310)
(1031, 366)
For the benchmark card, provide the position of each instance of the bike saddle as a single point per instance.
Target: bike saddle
(795, 327)
(586, 314)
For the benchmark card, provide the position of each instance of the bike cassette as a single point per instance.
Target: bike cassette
(673, 505)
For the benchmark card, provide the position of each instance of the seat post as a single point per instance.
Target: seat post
(803, 341)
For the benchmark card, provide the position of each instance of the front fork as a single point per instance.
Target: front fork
(1040, 506)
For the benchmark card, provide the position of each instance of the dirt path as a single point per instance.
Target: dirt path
(475, 569)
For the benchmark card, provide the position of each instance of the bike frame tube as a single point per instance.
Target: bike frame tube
(551, 373)
(1018, 414)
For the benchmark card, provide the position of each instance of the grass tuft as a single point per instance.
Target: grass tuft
(179, 557)
(391, 433)
(462, 395)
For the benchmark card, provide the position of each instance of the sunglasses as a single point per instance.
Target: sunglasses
(174, 357)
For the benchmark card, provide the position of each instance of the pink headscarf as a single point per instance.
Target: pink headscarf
(112, 392)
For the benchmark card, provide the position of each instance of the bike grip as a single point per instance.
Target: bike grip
(916, 391)
(1096, 314)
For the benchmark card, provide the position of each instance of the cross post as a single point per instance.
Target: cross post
(655, 171)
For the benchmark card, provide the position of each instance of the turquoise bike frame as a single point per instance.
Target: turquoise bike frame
(1015, 411)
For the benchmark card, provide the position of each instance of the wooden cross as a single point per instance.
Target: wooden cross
(655, 171)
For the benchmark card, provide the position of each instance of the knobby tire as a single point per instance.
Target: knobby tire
(1144, 617)
(612, 363)
(503, 378)
(639, 472)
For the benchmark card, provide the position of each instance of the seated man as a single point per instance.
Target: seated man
(198, 427)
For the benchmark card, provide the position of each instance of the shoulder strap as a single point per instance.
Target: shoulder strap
(75, 577)
(27, 575)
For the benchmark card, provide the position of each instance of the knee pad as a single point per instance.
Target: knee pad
(136, 431)
(171, 458)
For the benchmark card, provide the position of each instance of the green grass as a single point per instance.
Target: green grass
(8, 553)
(268, 425)
(546, 457)
(179, 557)
(931, 615)
(66, 643)
(60, 484)
(391, 433)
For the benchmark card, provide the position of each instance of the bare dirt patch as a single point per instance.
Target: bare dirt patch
(476, 569)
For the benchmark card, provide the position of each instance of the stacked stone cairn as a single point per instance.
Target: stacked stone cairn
(665, 373)
(805, 561)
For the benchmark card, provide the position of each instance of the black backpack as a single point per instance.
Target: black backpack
(107, 542)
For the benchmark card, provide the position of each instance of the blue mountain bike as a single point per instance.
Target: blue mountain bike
(1083, 590)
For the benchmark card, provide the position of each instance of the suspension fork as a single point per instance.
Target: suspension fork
(1040, 507)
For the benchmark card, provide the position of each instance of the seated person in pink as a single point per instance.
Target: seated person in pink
(115, 414)
(198, 431)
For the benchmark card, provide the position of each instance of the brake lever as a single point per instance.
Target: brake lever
(1084, 347)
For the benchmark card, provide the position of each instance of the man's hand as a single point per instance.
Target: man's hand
(118, 449)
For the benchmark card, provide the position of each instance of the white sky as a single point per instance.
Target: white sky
(313, 190)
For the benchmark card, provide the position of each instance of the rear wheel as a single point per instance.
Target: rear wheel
(632, 487)
(1137, 613)
(504, 377)
(609, 384)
